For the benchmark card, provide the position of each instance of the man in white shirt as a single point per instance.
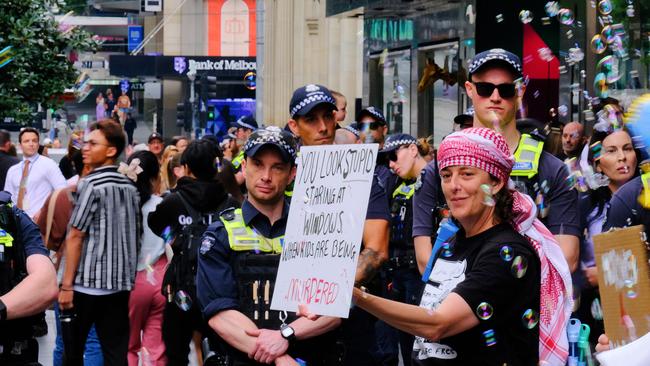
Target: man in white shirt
(32, 180)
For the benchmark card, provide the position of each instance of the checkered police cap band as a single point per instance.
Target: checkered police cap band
(389, 145)
(494, 54)
(353, 130)
(267, 136)
(317, 97)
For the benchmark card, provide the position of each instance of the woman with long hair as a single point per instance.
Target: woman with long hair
(497, 282)
(146, 302)
(612, 163)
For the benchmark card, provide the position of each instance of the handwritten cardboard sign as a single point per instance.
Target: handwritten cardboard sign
(622, 261)
(324, 228)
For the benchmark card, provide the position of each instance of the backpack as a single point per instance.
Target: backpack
(179, 282)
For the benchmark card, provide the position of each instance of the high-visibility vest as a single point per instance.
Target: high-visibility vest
(527, 157)
(244, 238)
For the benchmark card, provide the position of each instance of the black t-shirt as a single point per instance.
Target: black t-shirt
(486, 270)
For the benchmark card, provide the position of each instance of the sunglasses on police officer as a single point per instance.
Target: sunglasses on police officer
(506, 90)
(392, 155)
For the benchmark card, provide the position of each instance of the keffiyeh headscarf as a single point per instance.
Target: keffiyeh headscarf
(487, 150)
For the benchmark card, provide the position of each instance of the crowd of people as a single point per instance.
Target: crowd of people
(478, 251)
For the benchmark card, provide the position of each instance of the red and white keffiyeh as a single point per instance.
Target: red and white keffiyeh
(487, 150)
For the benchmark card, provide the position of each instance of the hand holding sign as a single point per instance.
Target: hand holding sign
(324, 229)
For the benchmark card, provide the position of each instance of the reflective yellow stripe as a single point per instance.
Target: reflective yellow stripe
(243, 238)
(404, 190)
(527, 157)
(6, 239)
(236, 162)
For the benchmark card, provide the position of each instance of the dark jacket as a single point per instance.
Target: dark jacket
(6, 162)
(203, 196)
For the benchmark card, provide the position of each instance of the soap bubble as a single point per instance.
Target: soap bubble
(519, 266)
(563, 110)
(506, 253)
(565, 16)
(545, 54)
(598, 44)
(499, 18)
(600, 85)
(630, 11)
(484, 311)
(526, 16)
(605, 7)
(552, 8)
(530, 318)
(596, 310)
(576, 54)
(490, 340)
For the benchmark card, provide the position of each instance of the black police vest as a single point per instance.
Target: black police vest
(401, 211)
(13, 269)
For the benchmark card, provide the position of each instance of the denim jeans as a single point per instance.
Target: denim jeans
(93, 353)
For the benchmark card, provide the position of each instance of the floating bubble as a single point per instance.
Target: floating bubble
(530, 319)
(598, 44)
(631, 293)
(593, 3)
(596, 310)
(600, 85)
(576, 54)
(490, 340)
(545, 54)
(519, 266)
(565, 16)
(569, 34)
(526, 16)
(542, 207)
(506, 253)
(183, 300)
(605, 7)
(612, 115)
(630, 11)
(488, 200)
(546, 20)
(167, 235)
(596, 150)
(562, 69)
(499, 18)
(563, 110)
(609, 66)
(536, 94)
(552, 8)
(608, 34)
(484, 311)
(446, 250)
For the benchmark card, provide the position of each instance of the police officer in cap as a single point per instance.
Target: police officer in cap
(238, 263)
(496, 96)
(27, 284)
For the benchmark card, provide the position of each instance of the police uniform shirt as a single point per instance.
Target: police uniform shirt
(378, 202)
(31, 235)
(215, 257)
(625, 208)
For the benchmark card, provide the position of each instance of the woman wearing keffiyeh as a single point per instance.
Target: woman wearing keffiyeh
(498, 291)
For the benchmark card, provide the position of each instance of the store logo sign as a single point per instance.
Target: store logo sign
(179, 64)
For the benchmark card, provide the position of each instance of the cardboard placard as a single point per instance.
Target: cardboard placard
(324, 229)
(624, 283)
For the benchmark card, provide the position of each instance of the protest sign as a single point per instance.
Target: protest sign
(622, 261)
(324, 228)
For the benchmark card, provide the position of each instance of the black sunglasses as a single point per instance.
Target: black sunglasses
(373, 125)
(392, 155)
(506, 90)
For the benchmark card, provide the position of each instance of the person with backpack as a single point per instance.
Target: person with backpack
(181, 218)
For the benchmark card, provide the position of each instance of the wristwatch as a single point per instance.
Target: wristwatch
(3, 311)
(287, 333)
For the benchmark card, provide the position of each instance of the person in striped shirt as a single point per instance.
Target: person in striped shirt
(101, 251)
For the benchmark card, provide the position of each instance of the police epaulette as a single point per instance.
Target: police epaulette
(228, 214)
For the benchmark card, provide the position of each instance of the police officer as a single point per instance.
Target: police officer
(27, 284)
(401, 279)
(238, 262)
(496, 98)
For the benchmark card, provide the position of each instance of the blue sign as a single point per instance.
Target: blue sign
(124, 85)
(136, 35)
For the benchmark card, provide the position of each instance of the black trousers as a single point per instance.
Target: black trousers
(178, 327)
(27, 354)
(110, 314)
